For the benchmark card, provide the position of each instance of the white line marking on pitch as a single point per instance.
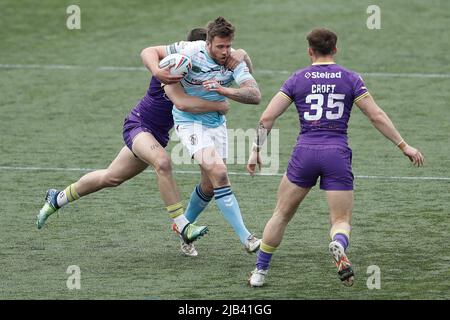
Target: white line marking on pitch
(261, 71)
(230, 173)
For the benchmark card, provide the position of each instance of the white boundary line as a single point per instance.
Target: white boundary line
(193, 172)
(261, 71)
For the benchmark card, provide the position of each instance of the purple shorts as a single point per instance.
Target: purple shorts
(332, 163)
(133, 125)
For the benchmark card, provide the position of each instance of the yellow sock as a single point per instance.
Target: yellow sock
(266, 248)
(335, 231)
(71, 194)
(176, 212)
(67, 195)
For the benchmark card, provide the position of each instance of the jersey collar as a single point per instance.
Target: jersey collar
(326, 62)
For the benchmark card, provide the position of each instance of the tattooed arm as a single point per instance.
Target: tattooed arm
(248, 92)
(277, 106)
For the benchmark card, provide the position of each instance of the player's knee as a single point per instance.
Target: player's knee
(220, 175)
(207, 188)
(163, 166)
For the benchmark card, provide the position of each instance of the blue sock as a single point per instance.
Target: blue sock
(227, 203)
(197, 203)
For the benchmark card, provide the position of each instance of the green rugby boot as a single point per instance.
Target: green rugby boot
(50, 207)
(191, 232)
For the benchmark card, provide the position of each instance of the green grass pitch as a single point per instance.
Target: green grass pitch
(53, 117)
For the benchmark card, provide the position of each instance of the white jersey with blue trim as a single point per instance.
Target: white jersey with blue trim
(205, 68)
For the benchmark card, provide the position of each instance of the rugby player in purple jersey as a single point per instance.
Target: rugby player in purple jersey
(146, 134)
(323, 94)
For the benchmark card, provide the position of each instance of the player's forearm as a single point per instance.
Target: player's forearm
(247, 95)
(262, 132)
(277, 106)
(150, 59)
(379, 119)
(383, 124)
(198, 105)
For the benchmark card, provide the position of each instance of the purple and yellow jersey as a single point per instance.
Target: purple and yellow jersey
(324, 94)
(155, 109)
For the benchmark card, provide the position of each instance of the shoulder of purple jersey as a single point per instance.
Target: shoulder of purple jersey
(349, 73)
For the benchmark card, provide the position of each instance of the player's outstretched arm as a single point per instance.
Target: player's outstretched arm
(277, 106)
(248, 91)
(150, 57)
(187, 103)
(381, 121)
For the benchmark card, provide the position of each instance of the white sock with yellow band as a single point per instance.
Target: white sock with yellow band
(176, 212)
(67, 195)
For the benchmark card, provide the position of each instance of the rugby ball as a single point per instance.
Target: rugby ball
(181, 64)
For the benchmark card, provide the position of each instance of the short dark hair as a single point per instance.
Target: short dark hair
(196, 34)
(322, 41)
(220, 27)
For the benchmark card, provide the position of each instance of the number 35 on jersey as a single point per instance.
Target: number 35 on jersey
(334, 106)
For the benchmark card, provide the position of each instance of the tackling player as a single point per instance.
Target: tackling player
(146, 134)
